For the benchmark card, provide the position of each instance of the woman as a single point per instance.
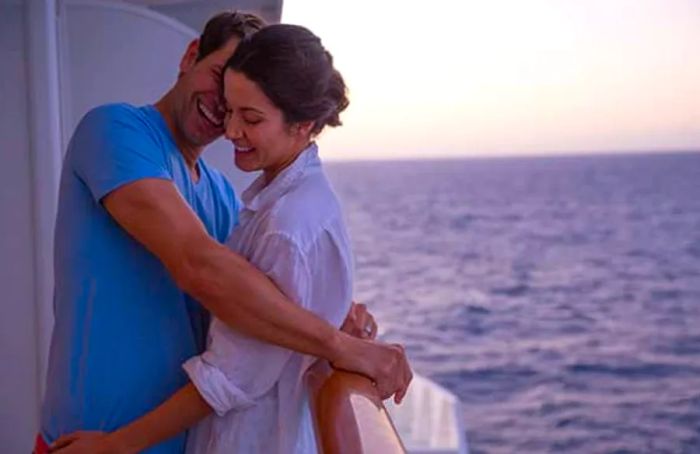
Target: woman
(281, 90)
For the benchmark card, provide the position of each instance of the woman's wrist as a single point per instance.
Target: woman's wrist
(119, 442)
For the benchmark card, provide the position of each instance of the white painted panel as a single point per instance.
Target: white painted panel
(19, 401)
(111, 52)
(114, 52)
(196, 13)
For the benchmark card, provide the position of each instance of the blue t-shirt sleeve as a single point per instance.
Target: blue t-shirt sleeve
(114, 145)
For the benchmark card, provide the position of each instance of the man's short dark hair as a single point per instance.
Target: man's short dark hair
(224, 26)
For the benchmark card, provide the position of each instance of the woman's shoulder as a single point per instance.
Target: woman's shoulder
(308, 209)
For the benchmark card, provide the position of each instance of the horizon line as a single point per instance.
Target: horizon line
(523, 155)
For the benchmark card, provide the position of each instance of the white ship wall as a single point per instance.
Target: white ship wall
(19, 385)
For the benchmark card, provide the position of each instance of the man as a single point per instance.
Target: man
(140, 222)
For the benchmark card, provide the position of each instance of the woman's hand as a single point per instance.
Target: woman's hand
(360, 322)
(385, 364)
(85, 442)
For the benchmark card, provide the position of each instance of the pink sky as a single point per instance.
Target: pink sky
(509, 77)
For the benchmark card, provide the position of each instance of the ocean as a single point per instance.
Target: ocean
(559, 298)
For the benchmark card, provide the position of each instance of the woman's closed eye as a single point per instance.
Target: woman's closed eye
(252, 121)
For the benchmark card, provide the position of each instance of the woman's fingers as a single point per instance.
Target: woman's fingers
(356, 322)
(365, 327)
(64, 441)
(373, 329)
(366, 322)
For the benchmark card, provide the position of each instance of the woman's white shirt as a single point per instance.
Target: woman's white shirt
(293, 231)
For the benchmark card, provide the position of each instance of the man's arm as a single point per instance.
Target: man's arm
(154, 213)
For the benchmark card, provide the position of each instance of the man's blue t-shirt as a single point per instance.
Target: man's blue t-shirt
(123, 328)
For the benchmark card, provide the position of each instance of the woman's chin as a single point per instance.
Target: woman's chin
(245, 163)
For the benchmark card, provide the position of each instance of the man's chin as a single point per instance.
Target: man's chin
(202, 133)
(209, 141)
(203, 140)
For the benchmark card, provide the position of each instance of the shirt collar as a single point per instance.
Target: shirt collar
(259, 195)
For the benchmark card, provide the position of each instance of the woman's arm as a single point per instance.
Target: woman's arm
(181, 411)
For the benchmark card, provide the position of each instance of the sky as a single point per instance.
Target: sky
(447, 78)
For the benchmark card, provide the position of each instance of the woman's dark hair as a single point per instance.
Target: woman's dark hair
(295, 71)
(224, 26)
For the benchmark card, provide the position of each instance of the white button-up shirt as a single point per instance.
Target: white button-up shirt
(293, 231)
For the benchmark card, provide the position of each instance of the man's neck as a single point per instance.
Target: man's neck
(189, 153)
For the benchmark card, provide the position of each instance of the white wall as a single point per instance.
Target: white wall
(19, 401)
(195, 13)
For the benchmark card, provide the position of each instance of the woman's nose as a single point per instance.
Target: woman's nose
(233, 129)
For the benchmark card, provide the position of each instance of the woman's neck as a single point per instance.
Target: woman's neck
(271, 172)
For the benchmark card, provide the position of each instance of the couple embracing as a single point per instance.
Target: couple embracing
(185, 316)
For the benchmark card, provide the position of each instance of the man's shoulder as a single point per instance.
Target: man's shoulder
(118, 142)
(117, 118)
(115, 124)
(114, 112)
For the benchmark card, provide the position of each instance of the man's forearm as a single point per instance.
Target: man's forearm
(246, 300)
(181, 411)
(154, 213)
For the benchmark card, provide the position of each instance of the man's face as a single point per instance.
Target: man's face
(198, 110)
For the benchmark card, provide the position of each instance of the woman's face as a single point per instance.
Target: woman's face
(262, 139)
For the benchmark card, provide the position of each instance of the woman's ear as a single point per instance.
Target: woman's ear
(303, 128)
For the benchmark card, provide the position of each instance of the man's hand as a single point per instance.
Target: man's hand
(360, 322)
(85, 442)
(385, 364)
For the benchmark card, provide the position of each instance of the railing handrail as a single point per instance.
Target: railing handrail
(349, 415)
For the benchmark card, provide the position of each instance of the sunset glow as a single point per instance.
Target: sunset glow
(509, 77)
